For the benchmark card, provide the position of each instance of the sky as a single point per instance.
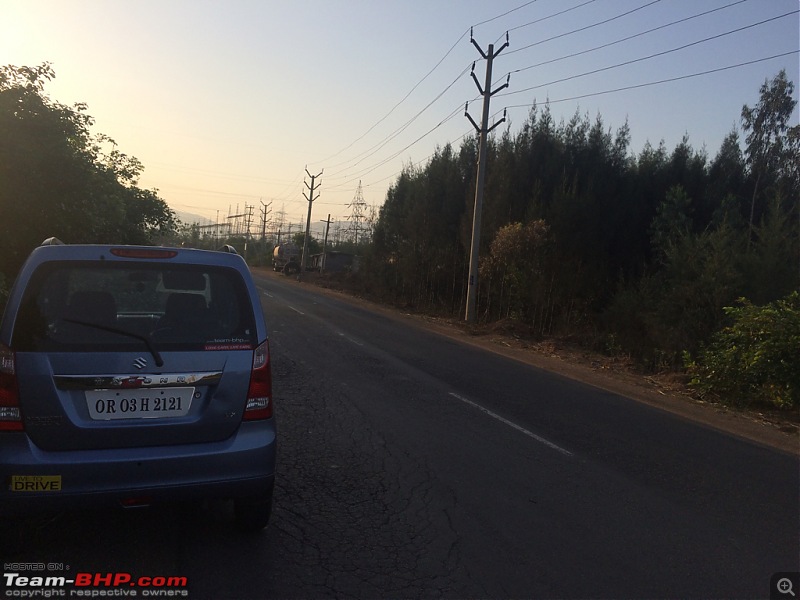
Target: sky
(233, 104)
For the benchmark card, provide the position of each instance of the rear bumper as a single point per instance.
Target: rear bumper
(243, 465)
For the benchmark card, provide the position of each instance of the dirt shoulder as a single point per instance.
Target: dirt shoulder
(668, 392)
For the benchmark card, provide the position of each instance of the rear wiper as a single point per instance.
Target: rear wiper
(147, 341)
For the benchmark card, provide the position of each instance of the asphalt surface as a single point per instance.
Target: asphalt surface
(411, 465)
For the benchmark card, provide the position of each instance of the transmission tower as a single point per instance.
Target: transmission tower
(357, 214)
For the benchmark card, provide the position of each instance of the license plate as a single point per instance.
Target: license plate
(145, 403)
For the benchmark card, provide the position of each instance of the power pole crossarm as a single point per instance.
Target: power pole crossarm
(471, 120)
(486, 55)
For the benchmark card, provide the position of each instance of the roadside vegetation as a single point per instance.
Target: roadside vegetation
(753, 359)
(672, 258)
(640, 256)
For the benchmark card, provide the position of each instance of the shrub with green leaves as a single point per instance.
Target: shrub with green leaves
(756, 358)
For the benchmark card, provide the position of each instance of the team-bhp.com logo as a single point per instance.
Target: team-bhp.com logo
(94, 585)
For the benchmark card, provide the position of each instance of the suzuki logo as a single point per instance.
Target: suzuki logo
(140, 363)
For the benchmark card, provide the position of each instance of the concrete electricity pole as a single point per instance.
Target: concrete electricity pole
(248, 222)
(310, 197)
(483, 132)
(325, 244)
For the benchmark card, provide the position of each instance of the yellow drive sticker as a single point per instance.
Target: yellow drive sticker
(36, 483)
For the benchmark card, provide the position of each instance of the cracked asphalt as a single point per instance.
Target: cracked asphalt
(360, 518)
(412, 466)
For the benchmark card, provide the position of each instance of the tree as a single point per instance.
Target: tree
(769, 150)
(724, 199)
(314, 247)
(516, 271)
(673, 220)
(58, 179)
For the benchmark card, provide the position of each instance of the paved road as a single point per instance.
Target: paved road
(414, 466)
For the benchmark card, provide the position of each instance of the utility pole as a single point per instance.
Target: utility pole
(310, 197)
(248, 222)
(483, 131)
(265, 210)
(325, 244)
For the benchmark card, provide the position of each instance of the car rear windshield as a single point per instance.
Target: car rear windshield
(102, 306)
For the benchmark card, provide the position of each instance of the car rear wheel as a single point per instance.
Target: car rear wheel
(252, 514)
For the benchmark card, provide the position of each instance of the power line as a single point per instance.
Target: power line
(369, 152)
(561, 35)
(380, 145)
(661, 81)
(436, 66)
(657, 54)
(504, 14)
(359, 158)
(558, 14)
(399, 152)
(628, 38)
(297, 181)
(215, 174)
(386, 116)
(588, 95)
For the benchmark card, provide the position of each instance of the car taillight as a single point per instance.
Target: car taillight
(259, 395)
(10, 417)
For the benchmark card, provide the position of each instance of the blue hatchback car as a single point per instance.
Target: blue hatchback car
(132, 375)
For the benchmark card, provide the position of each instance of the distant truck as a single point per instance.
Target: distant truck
(286, 258)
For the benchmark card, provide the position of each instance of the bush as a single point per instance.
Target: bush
(756, 358)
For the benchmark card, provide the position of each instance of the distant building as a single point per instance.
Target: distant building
(334, 262)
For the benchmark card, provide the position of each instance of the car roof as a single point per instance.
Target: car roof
(121, 252)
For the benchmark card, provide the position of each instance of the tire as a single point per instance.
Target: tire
(252, 514)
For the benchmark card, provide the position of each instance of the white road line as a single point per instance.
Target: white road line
(297, 311)
(349, 339)
(530, 434)
(268, 294)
